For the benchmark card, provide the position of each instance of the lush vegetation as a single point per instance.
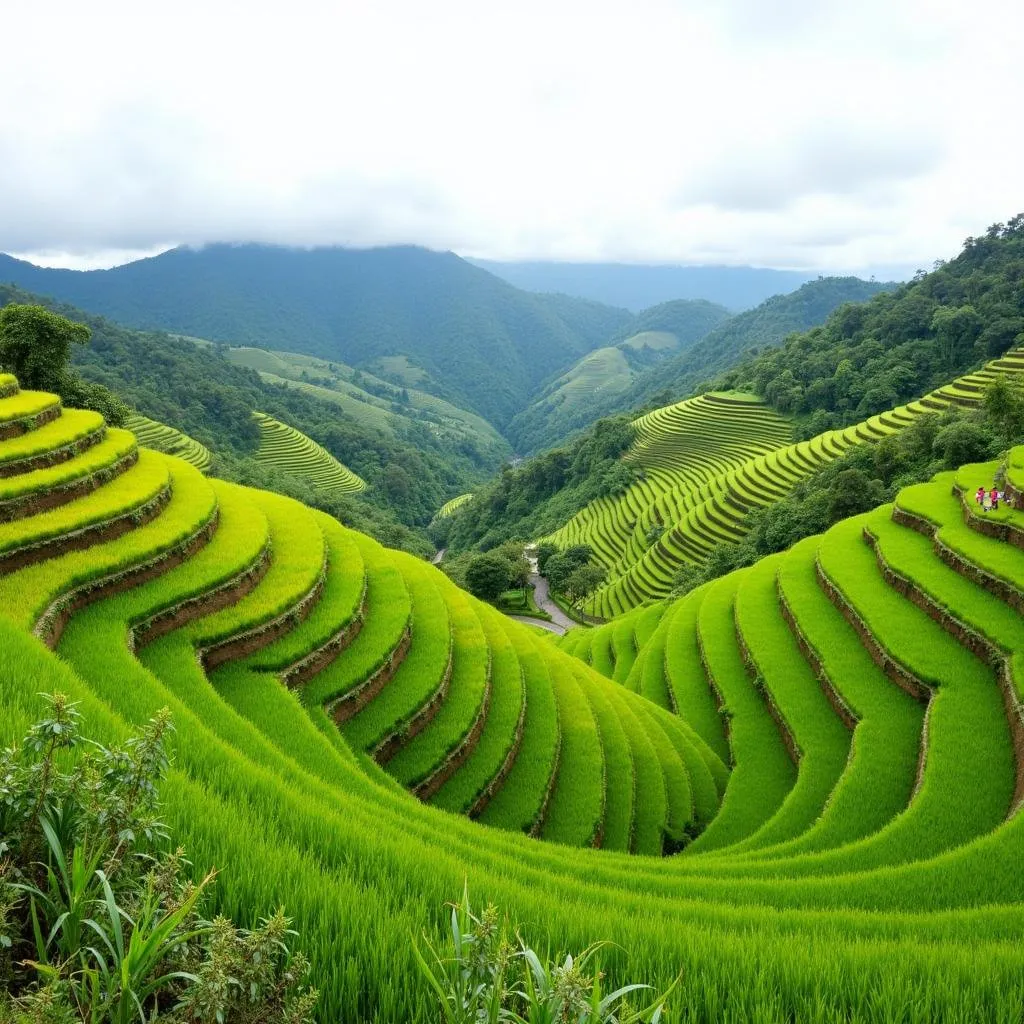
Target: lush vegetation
(868, 357)
(815, 739)
(98, 918)
(764, 327)
(825, 743)
(291, 451)
(166, 439)
(410, 470)
(867, 476)
(543, 492)
(571, 401)
(479, 340)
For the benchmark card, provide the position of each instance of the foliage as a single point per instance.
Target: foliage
(409, 474)
(561, 565)
(98, 919)
(488, 979)
(869, 357)
(752, 331)
(546, 490)
(505, 564)
(583, 581)
(36, 346)
(488, 576)
(480, 341)
(576, 398)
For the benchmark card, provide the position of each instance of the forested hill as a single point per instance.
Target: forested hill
(869, 357)
(635, 376)
(411, 470)
(479, 340)
(765, 326)
(640, 286)
(604, 375)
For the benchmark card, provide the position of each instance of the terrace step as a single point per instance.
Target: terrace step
(520, 804)
(484, 769)
(30, 493)
(24, 411)
(763, 772)
(819, 741)
(42, 596)
(135, 497)
(56, 442)
(425, 762)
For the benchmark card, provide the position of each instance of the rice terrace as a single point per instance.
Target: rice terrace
(832, 739)
(512, 515)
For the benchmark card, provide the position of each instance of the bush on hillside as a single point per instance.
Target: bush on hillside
(489, 979)
(36, 346)
(99, 920)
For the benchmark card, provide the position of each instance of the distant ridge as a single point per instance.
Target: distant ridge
(479, 340)
(637, 286)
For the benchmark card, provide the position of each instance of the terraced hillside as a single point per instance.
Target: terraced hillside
(859, 862)
(289, 449)
(707, 463)
(170, 441)
(450, 506)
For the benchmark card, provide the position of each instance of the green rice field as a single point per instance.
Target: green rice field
(705, 464)
(796, 789)
(289, 449)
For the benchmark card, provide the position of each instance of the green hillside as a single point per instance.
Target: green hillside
(163, 438)
(829, 741)
(600, 377)
(411, 467)
(488, 343)
(289, 450)
(391, 408)
(706, 464)
(680, 374)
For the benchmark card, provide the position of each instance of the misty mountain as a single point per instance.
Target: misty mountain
(639, 286)
(466, 334)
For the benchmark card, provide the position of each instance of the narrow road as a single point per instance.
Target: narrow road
(436, 560)
(543, 599)
(551, 627)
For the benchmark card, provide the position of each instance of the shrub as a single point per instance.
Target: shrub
(488, 979)
(98, 918)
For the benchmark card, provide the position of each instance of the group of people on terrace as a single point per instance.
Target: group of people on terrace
(988, 499)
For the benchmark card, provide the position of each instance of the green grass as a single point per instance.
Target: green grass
(286, 448)
(836, 890)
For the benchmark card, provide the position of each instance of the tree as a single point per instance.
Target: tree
(562, 565)
(1004, 406)
(35, 345)
(488, 576)
(544, 552)
(852, 492)
(962, 442)
(583, 581)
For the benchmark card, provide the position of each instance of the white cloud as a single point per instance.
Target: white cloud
(811, 134)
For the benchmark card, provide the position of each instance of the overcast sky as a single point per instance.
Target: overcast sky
(824, 134)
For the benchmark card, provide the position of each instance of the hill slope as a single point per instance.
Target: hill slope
(765, 326)
(709, 462)
(859, 862)
(480, 340)
(601, 376)
(412, 467)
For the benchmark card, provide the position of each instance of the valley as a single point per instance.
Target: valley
(771, 746)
